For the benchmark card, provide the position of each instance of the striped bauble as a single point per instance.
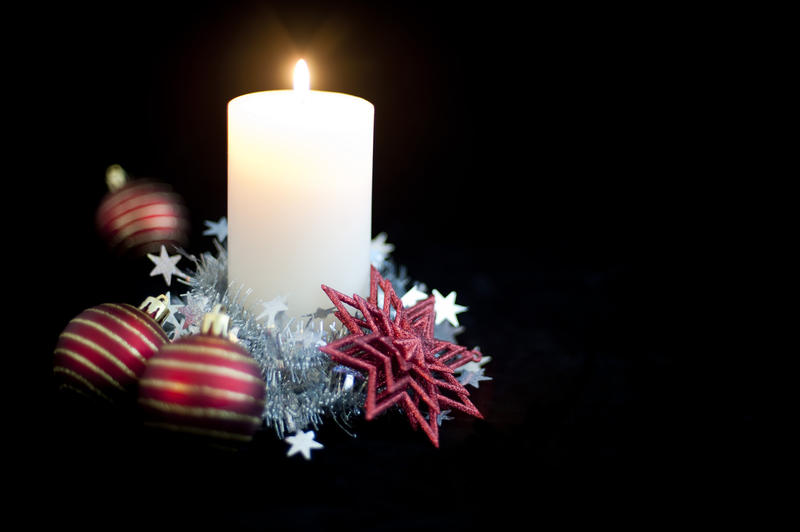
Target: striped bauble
(103, 351)
(204, 384)
(138, 216)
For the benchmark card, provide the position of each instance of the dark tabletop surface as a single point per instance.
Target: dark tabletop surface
(530, 162)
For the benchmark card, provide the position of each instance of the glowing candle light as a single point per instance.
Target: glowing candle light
(302, 77)
(299, 193)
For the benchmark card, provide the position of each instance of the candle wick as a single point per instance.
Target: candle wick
(302, 78)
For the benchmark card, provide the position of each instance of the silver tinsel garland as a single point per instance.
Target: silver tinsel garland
(303, 385)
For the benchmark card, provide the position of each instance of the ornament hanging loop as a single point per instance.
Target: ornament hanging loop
(156, 307)
(216, 323)
(116, 177)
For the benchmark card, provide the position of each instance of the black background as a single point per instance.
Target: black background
(539, 161)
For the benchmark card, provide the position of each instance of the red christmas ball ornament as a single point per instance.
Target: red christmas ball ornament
(137, 216)
(104, 350)
(204, 384)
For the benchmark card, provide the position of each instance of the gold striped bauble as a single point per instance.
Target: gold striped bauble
(204, 384)
(103, 351)
(137, 216)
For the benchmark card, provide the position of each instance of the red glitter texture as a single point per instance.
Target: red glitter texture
(405, 365)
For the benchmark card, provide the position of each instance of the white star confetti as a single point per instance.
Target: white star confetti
(180, 330)
(473, 377)
(217, 229)
(413, 296)
(443, 416)
(302, 442)
(474, 366)
(175, 304)
(272, 308)
(379, 250)
(172, 318)
(194, 310)
(446, 308)
(165, 265)
(445, 331)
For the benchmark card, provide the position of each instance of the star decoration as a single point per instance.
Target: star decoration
(179, 330)
(475, 366)
(219, 229)
(446, 308)
(175, 304)
(379, 250)
(302, 442)
(413, 296)
(473, 377)
(165, 265)
(404, 364)
(194, 310)
(172, 318)
(272, 308)
(445, 331)
(443, 416)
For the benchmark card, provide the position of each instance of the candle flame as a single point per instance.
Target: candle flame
(302, 78)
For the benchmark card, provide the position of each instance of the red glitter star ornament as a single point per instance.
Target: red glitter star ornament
(395, 347)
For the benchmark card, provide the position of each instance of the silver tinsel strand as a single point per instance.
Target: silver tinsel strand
(303, 385)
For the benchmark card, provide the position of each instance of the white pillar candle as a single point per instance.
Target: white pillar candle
(299, 194)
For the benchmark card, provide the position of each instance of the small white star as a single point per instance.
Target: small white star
(446, 308)
(413, 296)
(165, 265)
(179, 329)
(175, 304)
(272, 308)
(172, 319)
(445, 331)
(195, 308)
(217, 229)
(474, 366)
(473, 377)
(443, 417)
(302, 442)
(379, 250)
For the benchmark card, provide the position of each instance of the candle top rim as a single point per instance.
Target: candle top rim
(303, 94)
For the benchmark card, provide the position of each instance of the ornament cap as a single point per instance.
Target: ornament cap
(156, 307)
(216, 323)
(116, 177)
